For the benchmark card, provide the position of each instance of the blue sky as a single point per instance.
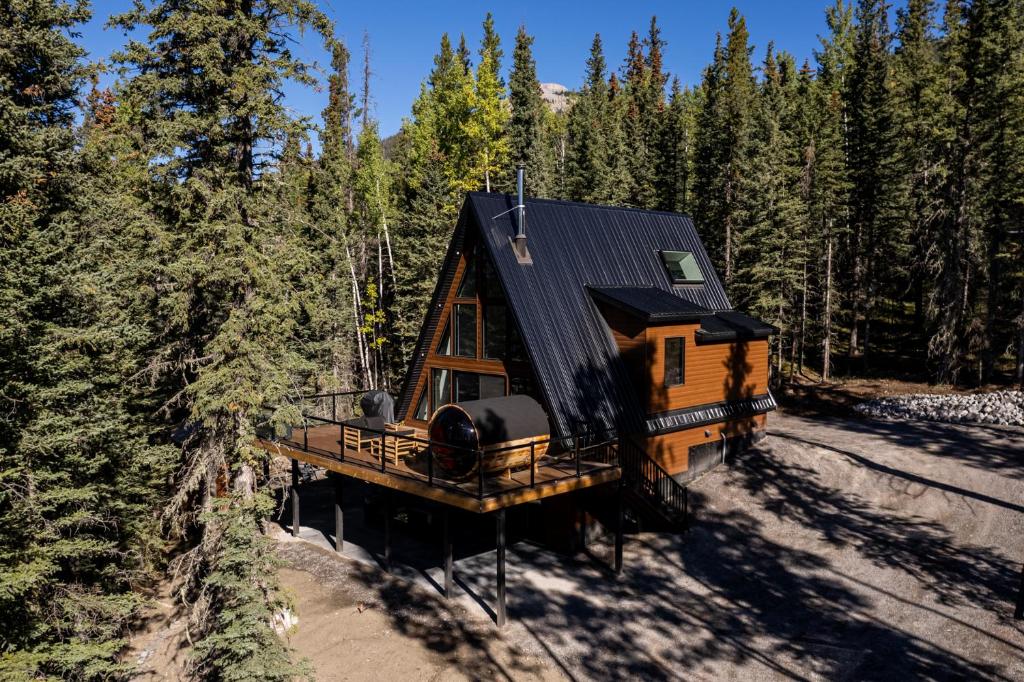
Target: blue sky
(405, 36)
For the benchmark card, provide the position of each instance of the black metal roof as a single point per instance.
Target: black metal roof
(575, 246)
(728, 325)
(581, 251)
(650, 304)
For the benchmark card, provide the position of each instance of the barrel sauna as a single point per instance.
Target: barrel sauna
(502, 428)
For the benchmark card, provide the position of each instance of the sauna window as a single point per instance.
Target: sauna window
(421, 408)
(442, 387)
(467, 289)
(495, 322)
(445, 346)
(521, 385)
(465, 330)
(682, 267)
(675, 359)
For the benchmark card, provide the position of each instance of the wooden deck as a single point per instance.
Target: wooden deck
(552, 476)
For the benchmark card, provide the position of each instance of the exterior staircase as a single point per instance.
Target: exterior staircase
(657, 500)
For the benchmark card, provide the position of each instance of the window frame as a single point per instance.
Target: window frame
(682, 361)
(671, 276)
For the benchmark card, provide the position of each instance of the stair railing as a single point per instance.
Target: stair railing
(648, 479)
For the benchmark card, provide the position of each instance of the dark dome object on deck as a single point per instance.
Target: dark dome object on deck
(378, 404)
(493, 425)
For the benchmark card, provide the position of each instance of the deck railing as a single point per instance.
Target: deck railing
(563, 457)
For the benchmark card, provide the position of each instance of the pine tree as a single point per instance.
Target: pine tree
(595, 167)
(638, 107)
(78, 475)
(676, 150)
(526, 127)
(724, 128)
(772, 237)
(876, 245)
(826, 159)
(917, 116)
(210, 120)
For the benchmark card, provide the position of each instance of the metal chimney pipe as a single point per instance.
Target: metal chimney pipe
(519, 241)
(520, 205)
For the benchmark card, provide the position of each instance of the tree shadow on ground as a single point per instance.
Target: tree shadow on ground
(956, 573)
(723, 598)
(1001, 452)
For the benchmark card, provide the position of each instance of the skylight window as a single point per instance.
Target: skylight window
(682, 267)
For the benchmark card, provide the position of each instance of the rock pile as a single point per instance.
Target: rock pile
(998, 407)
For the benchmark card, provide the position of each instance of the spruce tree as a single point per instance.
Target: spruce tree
(722, 138)
(877, 246)
(594, 164)
(79, 477)
(210, 121)
(526, 126)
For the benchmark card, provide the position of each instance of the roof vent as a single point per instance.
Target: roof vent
(519, 241)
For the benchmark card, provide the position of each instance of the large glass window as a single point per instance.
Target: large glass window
(421, 408)
(675, 361)
(442, 387)
(494, 331)
(444, 347)
(467, 289)
(682, 267)
(471, 386)
(465, 330)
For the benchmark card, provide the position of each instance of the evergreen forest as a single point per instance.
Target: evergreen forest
(180, 250)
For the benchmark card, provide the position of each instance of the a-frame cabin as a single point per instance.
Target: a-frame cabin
(613, 319)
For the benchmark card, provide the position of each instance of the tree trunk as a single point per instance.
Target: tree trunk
(803, 320)
(826, 360)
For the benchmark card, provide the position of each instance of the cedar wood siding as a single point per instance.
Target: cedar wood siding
(672, 450)
(713, 372)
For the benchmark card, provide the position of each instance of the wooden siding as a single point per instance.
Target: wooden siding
(672, 450)
(712, 372)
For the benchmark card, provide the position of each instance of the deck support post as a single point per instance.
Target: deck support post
(500, 611)
(295, 498)
(1018, 613)
(339, 513)
(618, 528)
(387, 531)
(448, 560)
(583, 528)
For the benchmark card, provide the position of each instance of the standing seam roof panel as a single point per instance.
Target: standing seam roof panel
(573, 245)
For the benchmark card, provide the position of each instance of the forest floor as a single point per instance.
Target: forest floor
(836, 549)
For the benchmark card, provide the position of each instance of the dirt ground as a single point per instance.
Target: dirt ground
(837, 549)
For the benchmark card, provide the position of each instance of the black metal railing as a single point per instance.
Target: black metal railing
(650, 481)
(559, 458)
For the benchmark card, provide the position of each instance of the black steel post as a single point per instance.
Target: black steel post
(1018, 613)
(295, 497)
(341, 442)
(339, 514)
(619, 522)
(480, 473)
(448, 560)
(334, 407)
(500, 613)
(686, 508)
(305, 435)
(387, 530)
(576, 441)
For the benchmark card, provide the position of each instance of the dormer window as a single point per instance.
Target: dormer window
(682, 267)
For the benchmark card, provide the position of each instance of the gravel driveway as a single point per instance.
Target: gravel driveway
(836, 549)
